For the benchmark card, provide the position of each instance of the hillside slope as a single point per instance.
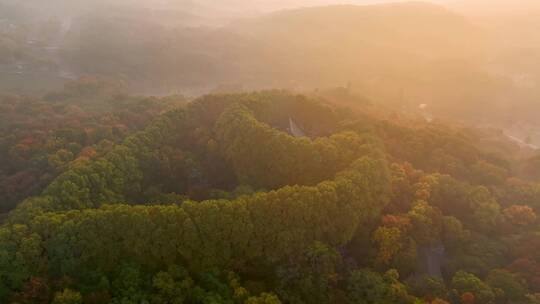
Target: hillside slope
(215, 202)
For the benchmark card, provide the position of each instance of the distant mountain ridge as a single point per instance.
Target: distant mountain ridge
(403, 54)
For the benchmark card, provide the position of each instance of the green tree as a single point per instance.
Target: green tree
(265, 298)
(67, 296)
(366, 286)
(507, 287)
(464, 282)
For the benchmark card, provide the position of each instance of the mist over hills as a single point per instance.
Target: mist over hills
(370, 46)
(269, 152)
(385, 51)
(460, 66)
(359, 33)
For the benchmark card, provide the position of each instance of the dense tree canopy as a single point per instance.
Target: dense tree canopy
(216, 201)
(41, 138)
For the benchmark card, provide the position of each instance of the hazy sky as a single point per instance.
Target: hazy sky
(476, 5)
(272, 4)
(239, 7)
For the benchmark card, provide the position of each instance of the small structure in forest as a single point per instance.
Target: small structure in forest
(295, 130)
(431, 259)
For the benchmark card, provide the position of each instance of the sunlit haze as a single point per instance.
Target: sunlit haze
(269, 152)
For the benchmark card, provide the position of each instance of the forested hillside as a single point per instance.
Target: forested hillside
(215, 201)
(42, 137)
